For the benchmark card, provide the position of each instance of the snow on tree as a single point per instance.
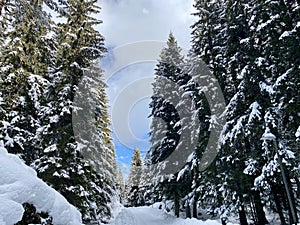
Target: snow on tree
(63, 163)
(164, 126)
(256, 58)
(120, 185)
(25, 60)
(168, 129)
(134, 180)
(275, 30)
(147, 185)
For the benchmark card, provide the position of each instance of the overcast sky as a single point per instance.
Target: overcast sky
(126, 22)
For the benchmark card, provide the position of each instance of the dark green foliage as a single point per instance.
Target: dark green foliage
(42, 66)
(30, 216)
(252, 48)
(134, 195)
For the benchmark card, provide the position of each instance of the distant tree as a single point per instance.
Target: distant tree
(120, 185)
(134, 180)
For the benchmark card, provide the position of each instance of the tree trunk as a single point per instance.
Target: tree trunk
(298, 188)
(292, 198)
(278, 204)
(176, 202)
(195, 211)
(261, 216)
(223, 221)
(188, 210)
(242, 216)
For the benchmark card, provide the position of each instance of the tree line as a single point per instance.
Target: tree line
(252, 48)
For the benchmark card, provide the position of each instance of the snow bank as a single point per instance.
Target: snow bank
(19, 184)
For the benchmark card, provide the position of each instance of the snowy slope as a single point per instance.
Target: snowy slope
(19, 184)
(152, 216)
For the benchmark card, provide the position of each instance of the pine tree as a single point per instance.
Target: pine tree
(169, 132)
(164, 128)
(134, 180)
(25, 59)
(275, 31)
(61, 163)
(120, 185)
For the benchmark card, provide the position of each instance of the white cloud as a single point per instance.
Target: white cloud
(125, 168)
(139, 20)
(127, 21)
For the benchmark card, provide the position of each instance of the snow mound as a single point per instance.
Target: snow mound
(19, 184)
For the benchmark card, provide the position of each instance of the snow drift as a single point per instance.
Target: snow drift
(19, 184)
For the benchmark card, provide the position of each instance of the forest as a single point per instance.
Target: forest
(225, 118)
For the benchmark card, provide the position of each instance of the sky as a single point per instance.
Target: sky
(135, 32)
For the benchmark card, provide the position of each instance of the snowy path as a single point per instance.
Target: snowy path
(152, 216)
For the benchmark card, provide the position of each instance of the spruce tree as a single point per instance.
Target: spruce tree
(63, 163)
(164, 128)
(275, 31)
(42, 65)
(167, 128)
(25, 60)
(227, 52)
(120, 185)
(134, 180)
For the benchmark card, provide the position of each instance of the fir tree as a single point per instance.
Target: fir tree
(167, 132)
(63, 163)
(25, 59)
(120, 185)
(164, 127)
(134, 179)
(42, 67)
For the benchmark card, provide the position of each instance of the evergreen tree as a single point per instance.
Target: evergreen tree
(275, 31)
(164, 127)
(253, 59)
(25, 59)
(120, 185)
(63, 163)
(134, 180)
(42, 65)
(168, 129)
(147, 184)
(226, 50)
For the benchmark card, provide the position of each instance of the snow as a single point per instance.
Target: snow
(151, 215)
(264, 87)
(268, 136)
(298, 132)
(11, 212)
(260, 61)
(51, 148)
(243, 73)
(255, 113)
(285, 34)
(263, 25)
(283, 77)
(19, 184)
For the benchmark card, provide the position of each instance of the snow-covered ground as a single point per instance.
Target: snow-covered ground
(19, 184)
(146, 215)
